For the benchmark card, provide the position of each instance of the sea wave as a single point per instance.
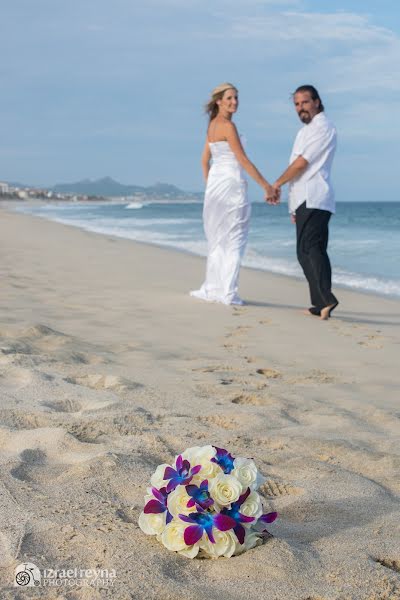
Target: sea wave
(134, 205)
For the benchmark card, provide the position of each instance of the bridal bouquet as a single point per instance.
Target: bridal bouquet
(206, 504)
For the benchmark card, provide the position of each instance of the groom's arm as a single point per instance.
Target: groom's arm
(295, 169)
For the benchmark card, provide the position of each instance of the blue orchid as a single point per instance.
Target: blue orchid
(158, 504)
(236, 515)
(224, 460)
(204, 521)
(182, 475)
(266, 518)
(199, 496)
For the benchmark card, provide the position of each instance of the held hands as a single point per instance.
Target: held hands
(273, 194)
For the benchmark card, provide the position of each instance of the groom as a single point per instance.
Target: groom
(311, 198)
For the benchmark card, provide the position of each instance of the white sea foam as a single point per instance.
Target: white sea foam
(134, 205)
(389, 287)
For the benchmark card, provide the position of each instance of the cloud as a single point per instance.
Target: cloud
(311, 27)
(346, 51)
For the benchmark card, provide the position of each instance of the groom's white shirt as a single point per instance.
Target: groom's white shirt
(316, 142)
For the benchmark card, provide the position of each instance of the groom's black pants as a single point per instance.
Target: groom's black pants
(312, 243)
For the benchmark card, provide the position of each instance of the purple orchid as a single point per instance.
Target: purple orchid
(224, 460)
(236, 515)
(182, 475)
(158, 504)
(204, 521)
(267, 518)
(199, 495)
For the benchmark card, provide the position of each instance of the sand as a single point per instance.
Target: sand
(108, 368)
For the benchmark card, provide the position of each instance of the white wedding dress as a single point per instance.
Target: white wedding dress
(226, 216)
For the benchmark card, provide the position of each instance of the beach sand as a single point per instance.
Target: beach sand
(108, 368)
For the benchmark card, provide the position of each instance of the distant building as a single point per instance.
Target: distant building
(4, 189)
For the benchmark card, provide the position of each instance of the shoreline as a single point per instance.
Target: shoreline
(109, 368)
(300, 278)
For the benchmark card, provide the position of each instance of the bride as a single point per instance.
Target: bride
(226, 211)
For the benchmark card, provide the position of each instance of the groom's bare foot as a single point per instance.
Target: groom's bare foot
(326, 312)
(313, 311)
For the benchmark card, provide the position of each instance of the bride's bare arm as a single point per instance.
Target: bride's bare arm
(233, 139)
(205, 160)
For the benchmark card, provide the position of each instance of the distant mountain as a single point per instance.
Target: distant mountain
(109, 187)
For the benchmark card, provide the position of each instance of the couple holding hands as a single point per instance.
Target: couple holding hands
(226, 211)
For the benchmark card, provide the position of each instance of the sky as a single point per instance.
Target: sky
(93, 88)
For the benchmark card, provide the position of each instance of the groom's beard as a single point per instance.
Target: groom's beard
(305, 117)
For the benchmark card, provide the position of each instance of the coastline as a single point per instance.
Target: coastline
(109, 368)
(359, 282)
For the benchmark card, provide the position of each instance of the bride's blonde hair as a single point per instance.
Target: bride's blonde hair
(211, 107)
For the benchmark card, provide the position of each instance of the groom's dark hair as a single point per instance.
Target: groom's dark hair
(314, 94)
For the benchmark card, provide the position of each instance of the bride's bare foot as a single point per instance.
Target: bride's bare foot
(326, 312)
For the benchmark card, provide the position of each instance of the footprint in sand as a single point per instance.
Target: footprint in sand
(49, 344)
(389, 563)
(250, 359)
(372, 341)
(104, 382)
(226, 381)
(249, 400)
(16, 377)
(31, 458)
(314, 376)
(90, 433)
(220, 421)
(67, 405)
(238, 311)
(17, 347)
(43, 455)
(232, 346)
(269, 373)
(19, 419)
(274, 489)
(238, 331)
(40, 331)
(213, 369)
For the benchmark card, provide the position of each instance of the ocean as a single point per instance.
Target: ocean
(364, 244)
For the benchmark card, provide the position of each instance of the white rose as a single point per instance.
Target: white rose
(208, 471)
(177, 502)
(157, 479)
(252, 506)
(191, 552)
(225, 489)
(225, 544)
(199, 454)
(245, 471)
(251, 540)
(152, 523)
(172, 538)
(202, 455)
